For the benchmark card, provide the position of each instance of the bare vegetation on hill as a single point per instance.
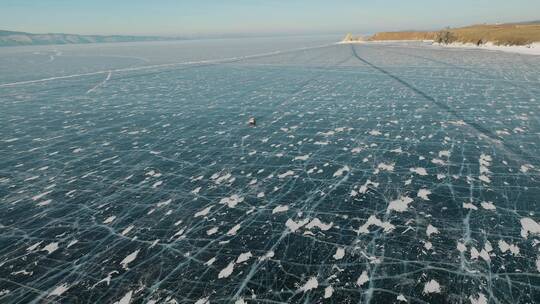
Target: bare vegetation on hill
(498, 34)
(503, 34)
(411, 35)
(445, 37)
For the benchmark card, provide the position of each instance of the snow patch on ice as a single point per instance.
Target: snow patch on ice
(488, 205)
(373, 220)
(399, 205)
(59, 290)
(280, 209)
(232, 200)
(328, 291)
(293, 226)
(431, 230)
(126, 299)
(424, 194)
(130, 258)
(340, 172)
(316, 223)
(234, 230)
(432, 287)
(529, 226)
(203, 301)
(52, 247)
(420, 171)
(340, 253)
(203, 212)
(312, 283)
(244, 257)
(362, 279)
(469, 206)
(227, 271)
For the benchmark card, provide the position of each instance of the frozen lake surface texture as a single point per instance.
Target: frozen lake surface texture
(375, 173)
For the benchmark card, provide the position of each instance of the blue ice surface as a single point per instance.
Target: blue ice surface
(376, 173)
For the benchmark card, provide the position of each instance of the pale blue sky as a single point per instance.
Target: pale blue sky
(204, 17)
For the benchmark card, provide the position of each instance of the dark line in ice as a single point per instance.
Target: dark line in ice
(477, 127)
(425, 95)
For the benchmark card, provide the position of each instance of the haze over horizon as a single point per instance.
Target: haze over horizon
(241, 17)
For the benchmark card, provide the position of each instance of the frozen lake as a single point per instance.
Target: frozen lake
(375, 173)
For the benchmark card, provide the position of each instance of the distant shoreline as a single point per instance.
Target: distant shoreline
(531, 49)
(511, 34)
(11, 38)
(523, 38)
